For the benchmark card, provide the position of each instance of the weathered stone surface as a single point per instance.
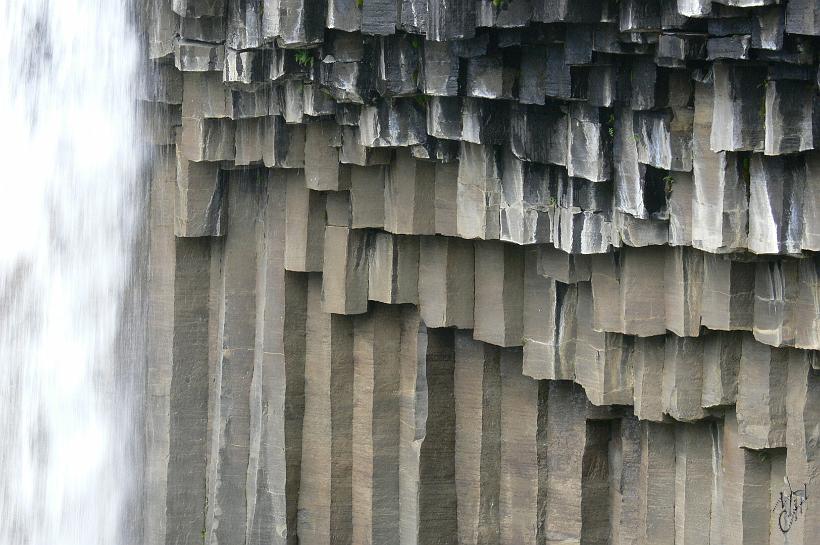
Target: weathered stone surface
(627, 292)
(776, 292)
(745, 490)
(597, 219)
(199, 205)
(648, 378)
(683, 283)
(499, 293)
(323, 171)
(207, 139)
(721, 365)
(549, 328)
(728, 293)
(683, 378)
(477, 391)
(446, 282)
(376, 426)
(518, 457)
(409, 197)
(719, 206)
(761, 396)
(437, 497)
(394, 269)
(603, 361)
(325, 508)
(658, 476)
(576, 501)
(304, 225)
(739, 99)
(694, 482)
(367, 196)
(802, 411)
(344, 287)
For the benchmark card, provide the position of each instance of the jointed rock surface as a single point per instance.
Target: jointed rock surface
(468, 272)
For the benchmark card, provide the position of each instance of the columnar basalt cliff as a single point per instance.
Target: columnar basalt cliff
(479, 272)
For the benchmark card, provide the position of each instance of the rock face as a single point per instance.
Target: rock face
(430, 272)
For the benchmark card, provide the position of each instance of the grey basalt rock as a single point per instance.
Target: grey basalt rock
(450, 20)
(199, 205)
(208, 139)
(479, 192)
(761, 417)
(789, 111)
(721, 364)
(728, 293)
(550, 324)
(446, 282)
(388, 123)
(394, 269)
(344, 287)
(427, 272)
(250, 136)
(499, 293)
(304, 225)
(720, 203)
(325, 487)
(203, 29)
(283, 144)
(739, 109)
(409, 196)
(775, 207)
(367, 202)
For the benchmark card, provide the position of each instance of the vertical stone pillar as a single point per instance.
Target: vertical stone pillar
(745, 496)
(761, 395)
(499, 293)
(376, 426)
(803, 443)
(325, 493)
(477, 389)
(446, 282)
(437, 488)
(237, 333)
(304, 226)
(345, 277)
(577, 495)
(694, 483)
(518, 490)
(656, 485)
(178, 377)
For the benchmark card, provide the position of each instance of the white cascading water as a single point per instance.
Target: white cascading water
(69, 215)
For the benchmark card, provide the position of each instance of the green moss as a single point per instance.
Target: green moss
(304, 57)
(670, 181)
(421, 100)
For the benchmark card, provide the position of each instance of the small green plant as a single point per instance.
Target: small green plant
(415, 43)
(421, 100)
(501, 4)
(670, 180)
(304, 57)
(360, 3)
(611, 125)
(553, 201)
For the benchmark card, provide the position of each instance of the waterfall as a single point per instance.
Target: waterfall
(70, 207)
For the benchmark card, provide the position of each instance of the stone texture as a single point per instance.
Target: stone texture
(447, 272)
